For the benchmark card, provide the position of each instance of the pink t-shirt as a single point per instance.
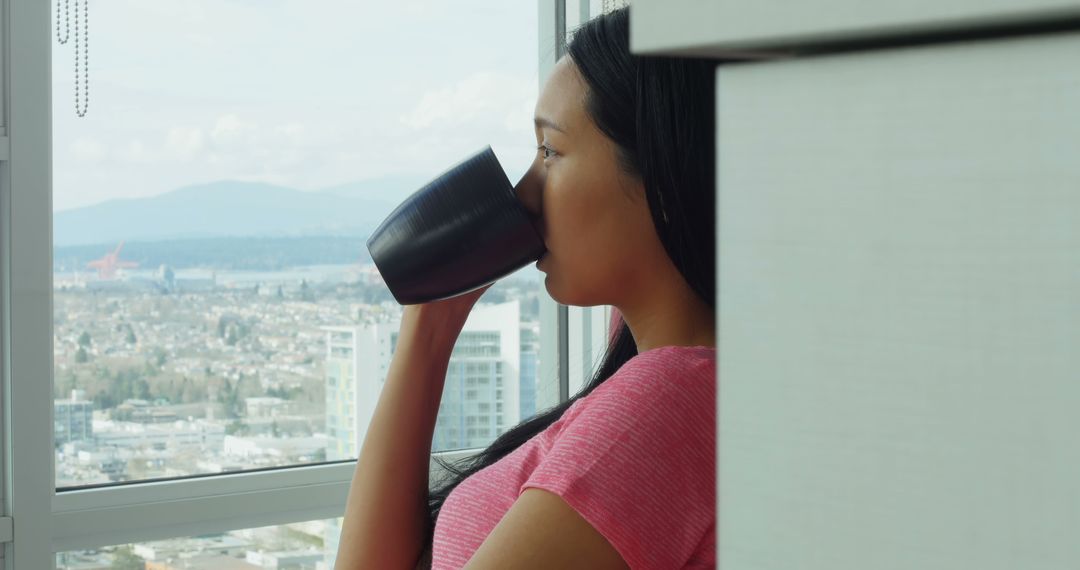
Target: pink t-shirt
(636, 458)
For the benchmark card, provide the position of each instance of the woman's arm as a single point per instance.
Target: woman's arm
(386, 512)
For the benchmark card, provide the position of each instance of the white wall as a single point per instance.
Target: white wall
(899, 282)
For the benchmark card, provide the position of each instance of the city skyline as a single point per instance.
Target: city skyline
(211, 376)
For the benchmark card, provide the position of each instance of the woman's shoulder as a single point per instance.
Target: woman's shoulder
(677, 355)
(667, 364)
(672, 376)
(669, 375)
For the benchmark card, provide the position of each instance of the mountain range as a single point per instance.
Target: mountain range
(232, 209)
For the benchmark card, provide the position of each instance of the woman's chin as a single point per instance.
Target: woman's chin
(547, 286)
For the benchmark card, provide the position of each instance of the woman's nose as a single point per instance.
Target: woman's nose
(530, 191)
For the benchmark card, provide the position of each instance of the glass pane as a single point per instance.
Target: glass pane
(298, 546)
(588, 331)
(215, 306)
(498, 346)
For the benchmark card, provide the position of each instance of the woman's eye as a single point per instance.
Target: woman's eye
(545, 149)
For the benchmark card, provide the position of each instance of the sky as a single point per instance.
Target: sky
(302, 94)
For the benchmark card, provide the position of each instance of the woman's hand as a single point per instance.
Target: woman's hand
(447, 316)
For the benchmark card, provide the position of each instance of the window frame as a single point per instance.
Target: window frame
(49, 521)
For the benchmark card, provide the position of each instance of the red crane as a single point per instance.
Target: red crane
(108, 265)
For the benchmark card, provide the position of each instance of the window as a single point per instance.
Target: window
(211, 274)
(308, 544)
(269, 374)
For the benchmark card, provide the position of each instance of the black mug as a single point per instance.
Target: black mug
(463, 230)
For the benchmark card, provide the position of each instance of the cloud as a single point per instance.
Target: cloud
(229, 129)
(135, 152)
(291, 129)
(89, 150)
(202, 40)
(176, 13)
(518, 118)
(184, 143)
(483, 99)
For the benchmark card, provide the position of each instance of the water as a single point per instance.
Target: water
(314, 274)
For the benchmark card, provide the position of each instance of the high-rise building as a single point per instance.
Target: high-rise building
(481, 395)
(357, 360)
(72, 419)
(530, 358)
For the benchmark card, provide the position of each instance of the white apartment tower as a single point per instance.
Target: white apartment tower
(481, 395)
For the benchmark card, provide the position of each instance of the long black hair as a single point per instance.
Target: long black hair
(659, 112)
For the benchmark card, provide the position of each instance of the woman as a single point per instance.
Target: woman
(623, 474)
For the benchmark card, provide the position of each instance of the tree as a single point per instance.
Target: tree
(305, 292)
(279, 392)
(80, 355)
(236, 427)
(65, 383)
(249, 386)
(103, 401)
(229, 397)
(130, 337)
(84, 339)
(124, 559)
(142, 390)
